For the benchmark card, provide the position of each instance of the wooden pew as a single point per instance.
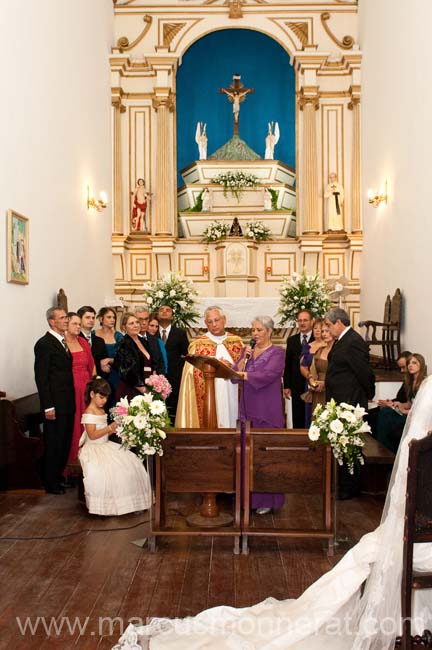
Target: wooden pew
(198, 461)
(20, 454)
(284, 460)
(375, 473)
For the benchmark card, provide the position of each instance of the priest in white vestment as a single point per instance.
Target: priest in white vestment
(215, 343)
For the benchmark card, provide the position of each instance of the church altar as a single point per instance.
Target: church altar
(147, 134)
(251, 204)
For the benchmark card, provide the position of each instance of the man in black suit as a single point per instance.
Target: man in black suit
(54, 380)
(294, 382)
(97, 344)
(143, 315)
(176, 345)
(349, 379)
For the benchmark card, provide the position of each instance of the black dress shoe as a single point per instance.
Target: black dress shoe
(58, 490)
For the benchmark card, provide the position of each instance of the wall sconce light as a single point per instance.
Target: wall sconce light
(376, 197)
(268, 269)
(205, 269)
(97, 204)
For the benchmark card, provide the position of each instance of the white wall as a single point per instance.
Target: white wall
(397, 145)
(55, 135)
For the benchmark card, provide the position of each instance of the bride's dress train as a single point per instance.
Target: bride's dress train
(334, 613)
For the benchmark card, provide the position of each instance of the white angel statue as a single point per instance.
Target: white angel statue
(201, 140)
(272, 138)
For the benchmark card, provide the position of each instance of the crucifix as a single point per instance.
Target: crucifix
(236, 93)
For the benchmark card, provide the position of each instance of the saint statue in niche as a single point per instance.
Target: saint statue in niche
(335, 197)
(139, 207)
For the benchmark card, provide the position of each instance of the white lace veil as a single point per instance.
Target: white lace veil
(378, 613)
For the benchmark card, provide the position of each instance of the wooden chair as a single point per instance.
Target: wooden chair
(418, 530)
(198, 461)
(284, 460)
(389, 329)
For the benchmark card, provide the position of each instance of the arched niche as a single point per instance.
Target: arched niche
(207, 65)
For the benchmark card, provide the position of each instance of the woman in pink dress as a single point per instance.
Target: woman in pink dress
(83, 369)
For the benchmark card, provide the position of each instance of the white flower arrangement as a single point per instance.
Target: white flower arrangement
(235, 182)
(178, 293)
(142, 421)
(215, 231)
(341, 426)
(257, 231)
(303, 291)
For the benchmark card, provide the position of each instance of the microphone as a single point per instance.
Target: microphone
(252, 344)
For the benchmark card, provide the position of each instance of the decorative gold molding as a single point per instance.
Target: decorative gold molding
(303, 100)
(347, 41)
(301, 31)
(124, 3)
(170, 31)
(355, 101)
(123, 44)
(164, 101)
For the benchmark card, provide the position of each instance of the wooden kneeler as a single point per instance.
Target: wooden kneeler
(284, 460)
(198, 461)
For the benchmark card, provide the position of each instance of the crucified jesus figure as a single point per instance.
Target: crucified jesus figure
(236, 94)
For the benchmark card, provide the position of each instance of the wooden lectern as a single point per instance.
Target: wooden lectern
(211, 368)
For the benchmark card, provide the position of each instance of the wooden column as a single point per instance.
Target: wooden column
(309, 104)
(163, 105)
(356, 226)
(119, 108)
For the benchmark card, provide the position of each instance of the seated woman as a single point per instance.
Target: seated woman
(261, 393)
(133, 360)
(391, 419)
(402, 363)
(153, 329)
(115, 481)
(319, 368)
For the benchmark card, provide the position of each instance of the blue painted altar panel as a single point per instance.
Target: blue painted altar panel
(209, 64)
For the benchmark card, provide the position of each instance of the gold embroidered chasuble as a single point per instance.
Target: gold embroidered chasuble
(190, 406)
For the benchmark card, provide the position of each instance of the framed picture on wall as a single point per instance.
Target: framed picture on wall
(17, 242)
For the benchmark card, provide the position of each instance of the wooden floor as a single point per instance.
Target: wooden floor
(67, 588)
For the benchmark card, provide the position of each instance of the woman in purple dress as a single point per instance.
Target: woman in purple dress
(262, 369)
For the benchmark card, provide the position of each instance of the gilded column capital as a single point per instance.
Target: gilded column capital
(164, 101)
(353, 103)
(306, 98)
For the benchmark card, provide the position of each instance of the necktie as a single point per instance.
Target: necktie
(65, 345)
(304, 340)
(164, 336)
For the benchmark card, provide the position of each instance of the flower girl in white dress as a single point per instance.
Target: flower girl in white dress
(115, 481)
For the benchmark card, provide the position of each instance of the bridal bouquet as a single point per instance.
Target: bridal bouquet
(178, 293)
(303, 292)
(341, 426)
(141, 421)
(215, 231)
